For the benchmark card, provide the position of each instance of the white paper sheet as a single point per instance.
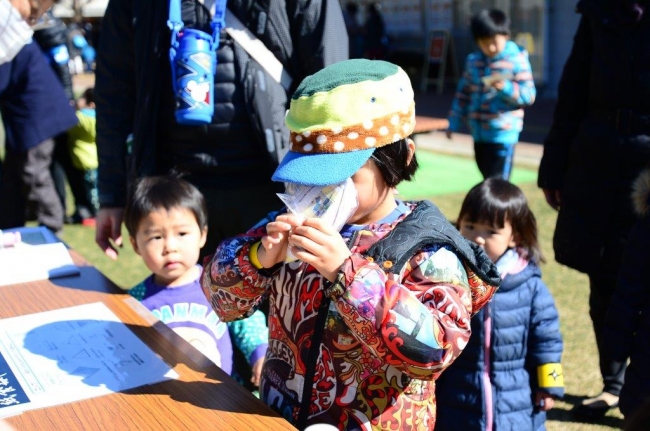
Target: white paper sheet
(25, 262)
(491, 79)
(333, 204)
(71, 354)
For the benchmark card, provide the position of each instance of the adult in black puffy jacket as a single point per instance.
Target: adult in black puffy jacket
(597, 145)
(228, 159)
(627, 333)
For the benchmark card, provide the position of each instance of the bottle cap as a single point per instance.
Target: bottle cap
(9, 239)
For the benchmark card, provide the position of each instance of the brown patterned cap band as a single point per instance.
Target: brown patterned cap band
(370, 134)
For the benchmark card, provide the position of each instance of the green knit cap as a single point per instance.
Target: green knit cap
(351, 105)
(340, 115)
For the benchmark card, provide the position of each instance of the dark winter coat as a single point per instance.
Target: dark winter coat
(33, 104)
(627, 333)
(134, 91)
(525, 334)
(600, 137)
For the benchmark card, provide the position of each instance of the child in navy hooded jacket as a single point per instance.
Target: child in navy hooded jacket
(509, 373)
(495, 87)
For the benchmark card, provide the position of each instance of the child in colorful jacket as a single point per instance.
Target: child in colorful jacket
(495, 87)
(366, 318)
(510, 372)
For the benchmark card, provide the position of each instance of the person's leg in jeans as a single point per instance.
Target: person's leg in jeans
(62, 170)
(494, 160)
(600, 295)
(601, 288)
(12, 190)
(59, 167)
(41, 191)
(27, 180)
(39, 186)
(85, 208)
(90, 190)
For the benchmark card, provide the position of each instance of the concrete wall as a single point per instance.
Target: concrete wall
(562, 23)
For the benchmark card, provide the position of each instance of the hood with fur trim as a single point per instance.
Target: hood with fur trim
(641, 193)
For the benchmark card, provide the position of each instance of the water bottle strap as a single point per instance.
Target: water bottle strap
(218, 20)
(175, 20)
(175, 24)
(257, 50)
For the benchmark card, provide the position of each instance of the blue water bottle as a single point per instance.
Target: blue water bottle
(193, 63)
(193, 74)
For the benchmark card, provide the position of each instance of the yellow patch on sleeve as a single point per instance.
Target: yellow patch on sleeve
(550, 376)
(252, 255)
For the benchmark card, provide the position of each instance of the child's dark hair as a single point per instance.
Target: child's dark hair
(489, 23)
(89, 95)
(163, 192)
(392, 162)
(496, 201)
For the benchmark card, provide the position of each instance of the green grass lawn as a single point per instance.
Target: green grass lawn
(441, 174)
(439, 180)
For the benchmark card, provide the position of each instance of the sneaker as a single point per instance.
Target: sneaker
(90, 222)
(595, 408)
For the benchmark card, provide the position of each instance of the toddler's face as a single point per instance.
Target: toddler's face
(494, 240)
(376, 199)
(169, 243)
(493, 45)
(81, 103)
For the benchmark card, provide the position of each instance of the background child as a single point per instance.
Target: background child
(83, 154)
(367, 318)
(167, 222)
(496, 84)
(510, 372)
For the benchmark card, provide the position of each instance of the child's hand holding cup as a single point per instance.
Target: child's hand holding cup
(275, 245)
(333, 204)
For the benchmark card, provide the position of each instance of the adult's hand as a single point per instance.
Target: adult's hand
(108, 227)
(553, 198)
(31, 11)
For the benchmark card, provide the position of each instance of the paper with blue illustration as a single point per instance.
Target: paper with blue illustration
(70, 354)
(334, 204)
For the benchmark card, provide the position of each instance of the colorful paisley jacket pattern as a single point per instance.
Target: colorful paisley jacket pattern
(366, 358)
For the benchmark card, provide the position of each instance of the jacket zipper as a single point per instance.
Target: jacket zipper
(312, 358)
(487, 386)
(314, 351)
